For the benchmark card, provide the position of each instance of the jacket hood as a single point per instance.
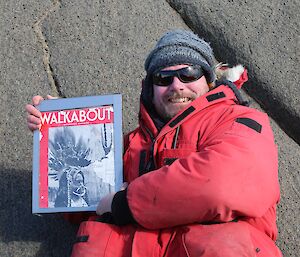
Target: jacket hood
(224, 91)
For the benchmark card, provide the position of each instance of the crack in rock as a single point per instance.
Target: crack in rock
(55, 90)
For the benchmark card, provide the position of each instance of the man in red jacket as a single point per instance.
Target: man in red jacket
(201, 167)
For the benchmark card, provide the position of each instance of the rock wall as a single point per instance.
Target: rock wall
(74, 48)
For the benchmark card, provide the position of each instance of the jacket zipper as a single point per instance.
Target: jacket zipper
(150, 164)
(174, 143)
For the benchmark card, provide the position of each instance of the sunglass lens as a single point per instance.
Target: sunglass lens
(160, 79)
(190, 74)
(185, 75)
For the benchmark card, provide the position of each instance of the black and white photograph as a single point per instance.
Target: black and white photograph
(81, 165)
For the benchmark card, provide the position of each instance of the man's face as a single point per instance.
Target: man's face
(169, 100)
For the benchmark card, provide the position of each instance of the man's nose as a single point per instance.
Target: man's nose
(176, 85)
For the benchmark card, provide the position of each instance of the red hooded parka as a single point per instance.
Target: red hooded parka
(212, 192)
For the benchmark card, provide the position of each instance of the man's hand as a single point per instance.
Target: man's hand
(105, 203)
(33, 114)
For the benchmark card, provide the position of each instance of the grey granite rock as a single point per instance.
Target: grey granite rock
(99, 48)
(288, 220)
(73, 48)
(70, 48)
(265, 37)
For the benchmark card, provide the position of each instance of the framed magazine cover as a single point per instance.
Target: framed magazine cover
(77, 153)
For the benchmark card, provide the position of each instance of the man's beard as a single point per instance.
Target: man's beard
(168, 111)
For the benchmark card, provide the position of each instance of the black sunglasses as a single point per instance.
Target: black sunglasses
(188, 74)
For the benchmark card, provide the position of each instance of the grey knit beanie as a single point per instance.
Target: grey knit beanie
(181, 47)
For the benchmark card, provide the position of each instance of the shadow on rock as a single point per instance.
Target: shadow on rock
(18, 224)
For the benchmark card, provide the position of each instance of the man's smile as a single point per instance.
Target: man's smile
(179, 99)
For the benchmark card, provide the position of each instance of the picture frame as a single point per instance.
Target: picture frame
(77, 153)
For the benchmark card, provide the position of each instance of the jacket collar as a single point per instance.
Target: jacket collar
(220, 94)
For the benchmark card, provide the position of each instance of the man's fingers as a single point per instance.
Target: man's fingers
(36, 100)
(33, 114)
(51, 97)
(124, 186)
(31, 110)
(105, 204)
(33, 122)
(32, 126)
(31, 119)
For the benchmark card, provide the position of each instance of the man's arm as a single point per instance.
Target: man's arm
(234, 175)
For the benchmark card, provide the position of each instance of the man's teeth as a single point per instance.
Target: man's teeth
(179, 100)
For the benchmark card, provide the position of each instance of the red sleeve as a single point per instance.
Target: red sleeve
(233, 175)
